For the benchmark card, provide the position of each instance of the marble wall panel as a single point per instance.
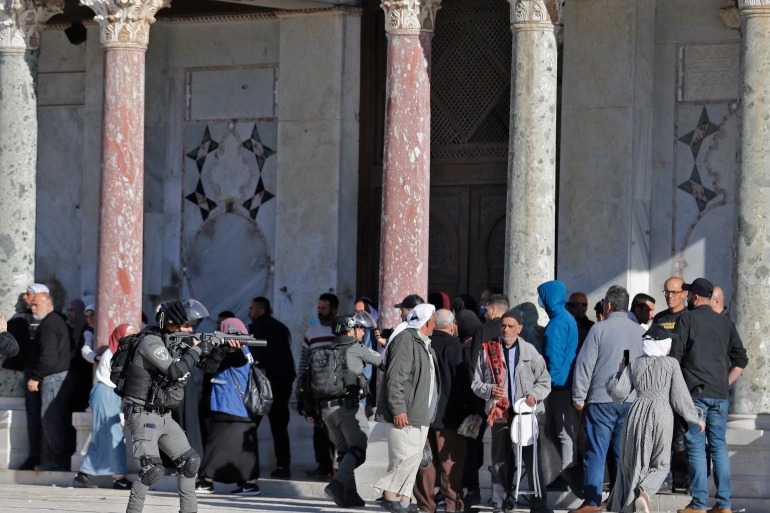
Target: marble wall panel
(228, 220)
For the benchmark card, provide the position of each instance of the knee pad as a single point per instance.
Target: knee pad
(152, 470)
(360, 455)
(188, 463)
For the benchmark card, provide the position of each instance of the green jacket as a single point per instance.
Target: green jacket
(406, 386)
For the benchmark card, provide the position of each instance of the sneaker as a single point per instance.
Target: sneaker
(281, 473)
(81, 481)
(204, 487)
(247, 490)
(716, 509)
(642, 503)
(440, 499)
(393, 506)
(336, 492)
(690, 509)
(122, 484)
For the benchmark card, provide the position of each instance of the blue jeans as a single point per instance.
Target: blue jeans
(604, 427)
(715, 415)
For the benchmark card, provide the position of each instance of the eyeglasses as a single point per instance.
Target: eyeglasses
(672, 292)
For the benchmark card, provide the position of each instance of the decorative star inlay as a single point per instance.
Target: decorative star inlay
(695, 187)
(260, 197)
(704, 129)
(201, 200)
(254, 145)
(206, 146)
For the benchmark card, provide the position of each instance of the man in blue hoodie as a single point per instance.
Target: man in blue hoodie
(560, 350)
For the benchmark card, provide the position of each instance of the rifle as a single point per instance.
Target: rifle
(217, 338)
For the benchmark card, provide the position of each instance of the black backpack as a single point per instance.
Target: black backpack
(120, 360)
(328, 368)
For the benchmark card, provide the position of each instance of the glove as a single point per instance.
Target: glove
(205, 346)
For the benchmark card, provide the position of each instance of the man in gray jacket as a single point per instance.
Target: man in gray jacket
(509, 369)
(597, 362)
(408, 402)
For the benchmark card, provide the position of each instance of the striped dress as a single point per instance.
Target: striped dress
(646, 447)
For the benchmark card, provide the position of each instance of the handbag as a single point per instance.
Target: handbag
(258, 397)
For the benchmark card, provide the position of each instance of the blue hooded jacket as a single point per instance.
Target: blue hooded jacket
(561, 334)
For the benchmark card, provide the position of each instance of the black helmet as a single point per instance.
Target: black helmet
(177, 313)
(344, 323)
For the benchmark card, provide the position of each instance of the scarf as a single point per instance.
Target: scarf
(496, 360)
(119, 333)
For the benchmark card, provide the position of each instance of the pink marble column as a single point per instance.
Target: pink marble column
(125, 28)
(406, 164)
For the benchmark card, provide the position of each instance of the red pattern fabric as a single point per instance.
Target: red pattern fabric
(496, 361)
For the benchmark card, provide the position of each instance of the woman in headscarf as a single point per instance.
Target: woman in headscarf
(231, 452)
(646, 446)
(107, 451)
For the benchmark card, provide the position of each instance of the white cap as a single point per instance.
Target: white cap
(37, 288)
(91, 307)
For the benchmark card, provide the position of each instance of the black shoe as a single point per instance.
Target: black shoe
(122, 484)
(29, 464)
(81, 481)
(247, 490)
(281, 473)
(509, 504)
(472, 498)
(351, 499)
(319, 473)
(51, 467)
(204, 487)
(393, 506)
(335, 491)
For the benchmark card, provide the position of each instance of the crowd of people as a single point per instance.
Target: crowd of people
(632, 396)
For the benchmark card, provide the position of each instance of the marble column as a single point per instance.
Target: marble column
(751, 274)
(21, 22)
(406, 163)
(530, 228)
(125, 31)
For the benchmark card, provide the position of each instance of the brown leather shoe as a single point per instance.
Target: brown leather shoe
(588, 508)
(690, 509)
(717, 509)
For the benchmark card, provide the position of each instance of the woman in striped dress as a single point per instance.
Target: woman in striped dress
(646, 447)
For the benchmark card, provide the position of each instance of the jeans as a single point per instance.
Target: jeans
(604, 428)
(715, 415)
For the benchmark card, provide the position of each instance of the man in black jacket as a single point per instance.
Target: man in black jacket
(51, 362)
(277, 361)
(8, 345)
(712, 357)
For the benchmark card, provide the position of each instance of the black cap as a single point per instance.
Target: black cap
(410, 301)
(515, 314)
(657, 332)
(701, 287)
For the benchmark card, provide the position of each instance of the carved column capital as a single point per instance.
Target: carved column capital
(125, 22)
(410, 14)
(754, 4)
(534, 11)
(21, 22)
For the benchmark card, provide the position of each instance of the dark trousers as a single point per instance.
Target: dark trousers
(474, 459)
(449, 451)
(324, 450)
(279, 424)
(504, 463)
(33, 404)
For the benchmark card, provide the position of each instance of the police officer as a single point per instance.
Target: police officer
(344, 417)
(158, 370)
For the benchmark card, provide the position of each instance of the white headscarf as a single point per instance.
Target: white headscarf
(652, 347)
(419, 315)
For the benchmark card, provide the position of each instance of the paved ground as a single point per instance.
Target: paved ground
(17, 498)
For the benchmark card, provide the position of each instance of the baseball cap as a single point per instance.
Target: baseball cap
(700, 286)
(37, 288)
(410, 301)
